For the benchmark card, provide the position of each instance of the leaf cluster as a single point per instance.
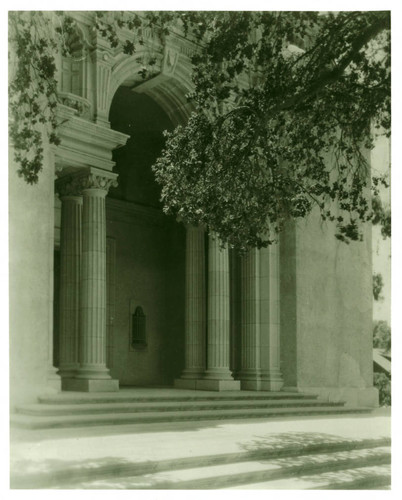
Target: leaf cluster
(32, 91)
(284, 103)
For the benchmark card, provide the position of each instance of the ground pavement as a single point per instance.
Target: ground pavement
(300, 452)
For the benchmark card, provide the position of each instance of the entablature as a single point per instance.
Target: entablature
(84, 143)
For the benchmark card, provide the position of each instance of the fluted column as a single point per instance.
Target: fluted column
(250, 319)
(195, 322)
(218, 375)
(270, 362)
(93, 375)
(260, 356)
(70, 260)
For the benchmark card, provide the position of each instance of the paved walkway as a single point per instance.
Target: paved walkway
(93, 447)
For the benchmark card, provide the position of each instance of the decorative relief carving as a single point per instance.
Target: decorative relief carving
(97, 181)
(103, 73)
(183, 46)
(73, 185)
(170, 61)
(81, 105)
(68, 185)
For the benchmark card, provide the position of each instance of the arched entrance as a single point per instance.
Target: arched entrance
(146, 254)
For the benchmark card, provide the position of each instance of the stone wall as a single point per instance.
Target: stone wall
(327, 313)
(31, 245)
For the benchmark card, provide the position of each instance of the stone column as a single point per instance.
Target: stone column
(195, 309)
(70, 261)
(235, 316)
(260, 357)
(53, 384)
(250, 373)
(218, 375)
(93, 375)
(272, 379)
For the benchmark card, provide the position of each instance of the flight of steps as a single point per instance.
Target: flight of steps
(294, 462)
(124, 408)
(345, 464)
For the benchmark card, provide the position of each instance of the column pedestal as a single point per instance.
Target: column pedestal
(218, 376)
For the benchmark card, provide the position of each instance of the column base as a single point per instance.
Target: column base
(68, 372)
(217, 385)
(89, 385)
(186, 383)
(261, 380)
(261, 385)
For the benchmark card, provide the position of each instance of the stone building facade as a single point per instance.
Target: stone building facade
(106, 291)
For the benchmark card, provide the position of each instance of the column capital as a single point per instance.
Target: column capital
(94, 180)
(90, 178)
(68, 185)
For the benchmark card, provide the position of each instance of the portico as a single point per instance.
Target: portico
(296, 315)
(83, 312)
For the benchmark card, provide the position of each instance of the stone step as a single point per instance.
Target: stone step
(358, 478)
(308, 468)
(164, 406)
(210, 474)
(174, 396)
(222, 476)
(43, 422)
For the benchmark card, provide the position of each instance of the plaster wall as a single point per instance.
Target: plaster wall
(149, 272)
(31, 221)
(327, 313)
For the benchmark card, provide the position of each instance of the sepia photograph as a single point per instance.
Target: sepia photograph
(199, 248)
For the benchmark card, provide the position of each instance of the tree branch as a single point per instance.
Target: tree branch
(331, 76)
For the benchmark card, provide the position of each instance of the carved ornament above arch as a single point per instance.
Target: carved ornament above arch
(168, 87)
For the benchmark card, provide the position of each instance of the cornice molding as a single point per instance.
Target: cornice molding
(84, 143)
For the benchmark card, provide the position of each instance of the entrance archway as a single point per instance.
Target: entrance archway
(145, 266)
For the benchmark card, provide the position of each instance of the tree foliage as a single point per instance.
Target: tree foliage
(378, 284)
(284, 104)
(381, 216)
(382, 335)
(383, 384)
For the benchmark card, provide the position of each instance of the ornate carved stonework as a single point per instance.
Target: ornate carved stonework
(81, 106)
(97, 181)
(68, 185)
(170, 61)
(75, 184)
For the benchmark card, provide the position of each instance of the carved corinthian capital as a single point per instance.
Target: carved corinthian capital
(68, 185)
(75, 184)
(96, 180)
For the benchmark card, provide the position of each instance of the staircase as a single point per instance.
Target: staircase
(170, 450)
(344, 464)
(172, 405)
